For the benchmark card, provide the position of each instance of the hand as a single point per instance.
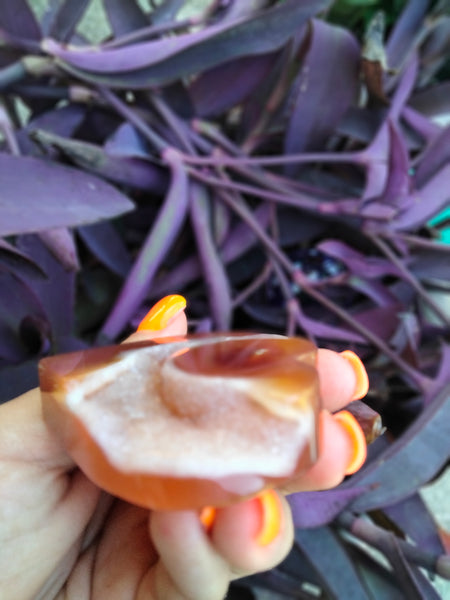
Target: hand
(61, 537)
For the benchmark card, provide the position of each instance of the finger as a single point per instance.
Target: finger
(342, 451)
(24, 437)
(166, 318)
(254, 535)
(189, 567)
(343, 378)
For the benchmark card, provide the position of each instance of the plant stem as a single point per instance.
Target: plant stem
(293, 200)
(12, 75)
(149, 32)
(239, 207)
(272, 161)
(421, 380)
(173, 121)
(132, 117)
(409, 277)
(7, 129)
(415, 240)
(13, 41)
(268, 179)
(375, 536)
(254, 285)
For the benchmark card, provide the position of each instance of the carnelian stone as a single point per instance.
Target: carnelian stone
(202, 420)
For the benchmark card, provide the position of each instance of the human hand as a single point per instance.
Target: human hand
(61, 537)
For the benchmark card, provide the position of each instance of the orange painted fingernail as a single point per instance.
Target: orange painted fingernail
(362, 379)
(271, 516)
(207, 517)
(159, 316)
(358, 440)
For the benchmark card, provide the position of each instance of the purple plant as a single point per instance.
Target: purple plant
(282, 171)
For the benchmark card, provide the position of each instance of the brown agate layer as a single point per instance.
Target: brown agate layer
(196, 421)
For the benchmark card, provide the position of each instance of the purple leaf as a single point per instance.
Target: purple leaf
(9, 56)
(18, 19)
(268, 315)
(158, 61)
(433, 101)
(405, 340)
(56, 293)
(15, 380)
(314, 509)
(325, 552)
(412, 582)
(443, 375)
(408, 463)
(422, 125)
(145, 54)
(381, 320)
(159, 240)
(236, 10)
(413, 516)
(126, 141)
(398, 181)
(129, 171)
(297, 227)
(62, 121)
(426, 202)
(107, 246)
(435, 50)
(272, 585)
(12, 350)
(124, 16)
(365, 266)
(359, 124)
(167, 11)
(40, 195)
(18, 300)
(17, 261)
(64, 20)
(377, 211)
(325, 331)
(217, 284)
(435, 157)
(221, 222)
(60, 243)
(255, 106)
(387, 143)
(404, 88)
(377, 291)
(240, 239)
(330, 70)
(219, 89)
(429, 265)
(405, 32)
(375, 158)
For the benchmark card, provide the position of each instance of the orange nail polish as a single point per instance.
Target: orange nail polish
(207, 517)
(163, 311)
(356, 435)
(362, 379)
(271, 516)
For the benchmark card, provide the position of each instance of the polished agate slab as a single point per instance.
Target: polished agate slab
(189, 422)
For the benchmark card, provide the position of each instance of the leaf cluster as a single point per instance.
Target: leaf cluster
(285, 166)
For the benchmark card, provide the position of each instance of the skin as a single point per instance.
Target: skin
(62, 538)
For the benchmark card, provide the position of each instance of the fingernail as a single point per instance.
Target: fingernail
(271, 516)
(163, 311)
(358, 440)
(207, 517)
(362, 379)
